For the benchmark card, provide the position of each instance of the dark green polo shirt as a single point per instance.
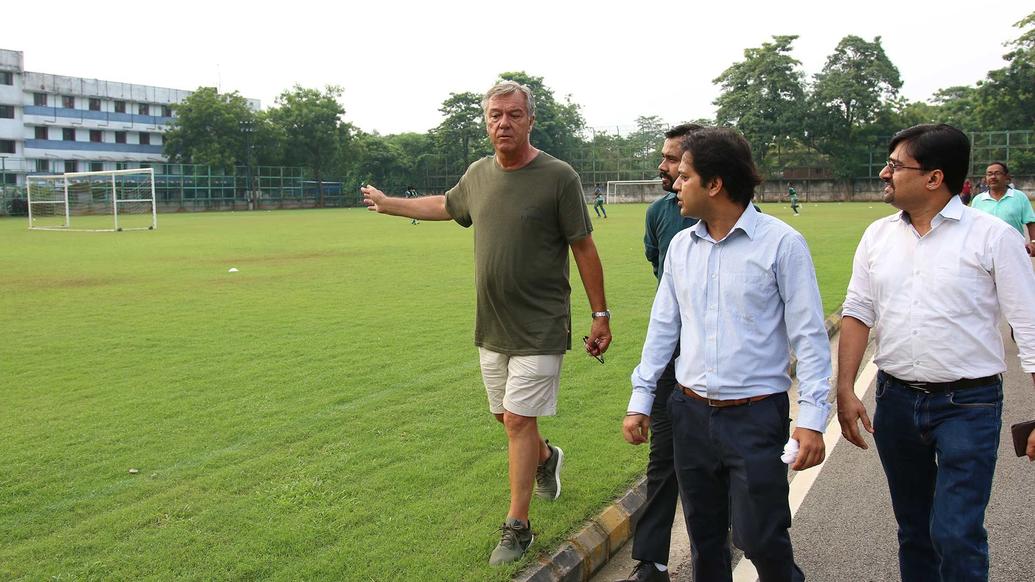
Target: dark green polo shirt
(663, 222)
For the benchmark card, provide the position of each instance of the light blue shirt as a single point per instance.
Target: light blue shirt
(737, 307)
(1014, 207)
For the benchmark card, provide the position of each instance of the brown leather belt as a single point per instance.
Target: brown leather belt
(722, 403)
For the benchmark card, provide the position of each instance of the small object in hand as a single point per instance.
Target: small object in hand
(1020, 432)
(790, 451)
(134, 471)
(585, 340)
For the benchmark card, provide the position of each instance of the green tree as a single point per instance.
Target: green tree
(461, 135)
(764, 96)
(309, 121)
(1006, 98)
(209, 129)
(645, 142)
(558, 125)
(851, 101)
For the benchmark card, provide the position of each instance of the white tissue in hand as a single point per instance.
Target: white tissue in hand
(790, 451)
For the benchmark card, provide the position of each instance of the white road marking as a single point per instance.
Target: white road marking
(745, 570)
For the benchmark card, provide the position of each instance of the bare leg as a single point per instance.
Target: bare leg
(525, 448)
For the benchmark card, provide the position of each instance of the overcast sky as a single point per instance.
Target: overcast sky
(397, 61)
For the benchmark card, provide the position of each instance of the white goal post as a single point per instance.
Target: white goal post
(113, 200)
(614, 186)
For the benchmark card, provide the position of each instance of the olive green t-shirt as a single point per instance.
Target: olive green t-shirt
(524, 221)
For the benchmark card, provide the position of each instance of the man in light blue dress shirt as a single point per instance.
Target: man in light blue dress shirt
(738, 294)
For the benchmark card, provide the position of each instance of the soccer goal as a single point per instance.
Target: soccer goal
(93, 201)
(633, 190)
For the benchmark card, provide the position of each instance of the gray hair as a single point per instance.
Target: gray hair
(508, 88)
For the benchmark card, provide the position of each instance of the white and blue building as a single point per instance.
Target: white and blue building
(54, 123)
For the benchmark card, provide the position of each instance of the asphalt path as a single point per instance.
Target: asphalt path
(844, 529)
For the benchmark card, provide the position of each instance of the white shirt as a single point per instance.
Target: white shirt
(736, 307)
(934, 301)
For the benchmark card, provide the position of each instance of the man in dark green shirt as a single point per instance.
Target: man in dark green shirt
(527, 210)
(654, 530)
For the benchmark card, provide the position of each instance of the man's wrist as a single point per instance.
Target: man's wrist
(605, 313)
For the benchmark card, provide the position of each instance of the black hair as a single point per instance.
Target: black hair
(681, 130)
(1003, 164)
(720, 152)
(937, 147)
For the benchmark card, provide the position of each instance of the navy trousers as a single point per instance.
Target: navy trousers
(654, 529)
(729, 470)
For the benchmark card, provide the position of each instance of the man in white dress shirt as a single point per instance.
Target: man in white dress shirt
(738, 293)
(931, 281)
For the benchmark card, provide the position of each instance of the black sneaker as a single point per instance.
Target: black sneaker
(514, 540)
(647, 572)
(548, 475)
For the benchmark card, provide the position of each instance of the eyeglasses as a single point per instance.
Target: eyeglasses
(994, 174)
(895, 166)
(585, 340)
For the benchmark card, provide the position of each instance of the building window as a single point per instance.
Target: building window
(68, 102)
(68, 134)
(145, 138)
(143, 109)
(120, 137)
(70, 166)
(96, 136)
(96, 166)
(6, 111)
(42, 165)
(41, 132)
(167, 111)
(6, 146)
(120, 107)
(95, 104)
(6, 78)
(10, 178)
(39, 99)
(121, 165)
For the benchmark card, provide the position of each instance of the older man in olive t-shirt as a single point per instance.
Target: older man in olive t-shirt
(527, 210)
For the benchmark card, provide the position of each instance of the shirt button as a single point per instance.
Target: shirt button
(915, 332)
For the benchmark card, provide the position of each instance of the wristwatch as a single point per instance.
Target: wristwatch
(605, 313)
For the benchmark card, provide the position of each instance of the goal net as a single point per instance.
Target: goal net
(633, 190)
(93, 201)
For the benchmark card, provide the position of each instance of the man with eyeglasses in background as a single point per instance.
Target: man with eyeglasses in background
(932, 281)
(1007, 203)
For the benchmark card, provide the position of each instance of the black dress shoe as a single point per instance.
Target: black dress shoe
(646, 572)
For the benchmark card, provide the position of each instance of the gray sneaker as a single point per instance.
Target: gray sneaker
(515, 539)
(548, 475)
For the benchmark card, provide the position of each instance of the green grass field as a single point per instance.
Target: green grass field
(317, 415)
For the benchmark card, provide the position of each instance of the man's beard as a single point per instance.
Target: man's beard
(666, 179)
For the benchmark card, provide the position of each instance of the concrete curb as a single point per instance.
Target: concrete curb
(586, 552)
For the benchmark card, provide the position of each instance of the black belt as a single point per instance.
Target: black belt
(940, 387)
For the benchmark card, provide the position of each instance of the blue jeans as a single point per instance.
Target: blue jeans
(939, 453)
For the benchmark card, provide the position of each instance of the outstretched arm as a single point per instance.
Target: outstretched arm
(426, 208)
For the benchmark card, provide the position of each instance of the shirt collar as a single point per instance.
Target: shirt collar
(747, 223)
(953, 210)
(669, 195)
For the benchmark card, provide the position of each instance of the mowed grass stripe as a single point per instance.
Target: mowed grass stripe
(317, 415)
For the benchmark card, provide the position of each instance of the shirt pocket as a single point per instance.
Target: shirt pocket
(749, 296)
